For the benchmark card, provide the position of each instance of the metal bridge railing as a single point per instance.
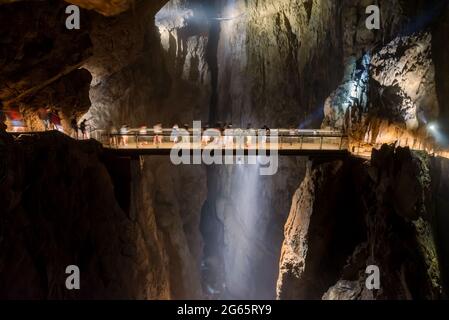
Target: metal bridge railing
(283, 140)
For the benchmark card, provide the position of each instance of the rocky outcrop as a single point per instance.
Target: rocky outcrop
(167, 203)
(384, 217)
(392, 88)
(321, 231)
(388, 93)
(158, 73)
(107, 8)
(37, 50)
(132, 227)
(59, 208)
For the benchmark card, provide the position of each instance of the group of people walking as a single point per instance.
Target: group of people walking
(221, 134)
(76, 129)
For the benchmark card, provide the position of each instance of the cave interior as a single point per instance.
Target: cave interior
(140, 227)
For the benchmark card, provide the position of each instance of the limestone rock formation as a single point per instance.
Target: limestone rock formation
(60, 208)
(38, 51)
(393, 85)
(107, 8)
(385, 217)
(157, 74)
(132, 227)
(171, 198)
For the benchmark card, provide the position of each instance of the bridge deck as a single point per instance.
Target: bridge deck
(130, 152)
(283, 142)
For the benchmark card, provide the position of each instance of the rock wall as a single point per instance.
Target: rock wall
(39, 58)
(440, 178)
(389, 94)
(167, 203)
(131, 226)
(59, 208)
(384, 217)
(235, 61)
(391, 91)
(157, 73)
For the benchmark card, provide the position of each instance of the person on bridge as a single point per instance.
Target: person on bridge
(157, 139)
(124, 130)
(292, 133)
(205, 137)
(263, 132)
(74, 126)
(175, 133)
(143, 131)
(228, 134)
(83, 129)
(249, 135)
(111, 132)
(186, 135)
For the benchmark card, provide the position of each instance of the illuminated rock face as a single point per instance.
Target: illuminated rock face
(384, 217)
(167, 203)
(259, 62)
(157, 74)
(405, 66)
(107, 8)
(395, 83)
(40, 58)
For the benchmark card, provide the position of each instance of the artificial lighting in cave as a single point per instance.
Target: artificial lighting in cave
(171, 16)
(434, 130)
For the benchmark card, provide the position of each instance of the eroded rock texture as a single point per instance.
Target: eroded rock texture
(132, 227)
(36, 51)
(240, 62)
(171, 198)
(108, 8)
(390, 89)
(158, 73)
(384, 217)
(391, 86)
(60, 207)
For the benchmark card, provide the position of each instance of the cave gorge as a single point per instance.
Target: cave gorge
(78, 187)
